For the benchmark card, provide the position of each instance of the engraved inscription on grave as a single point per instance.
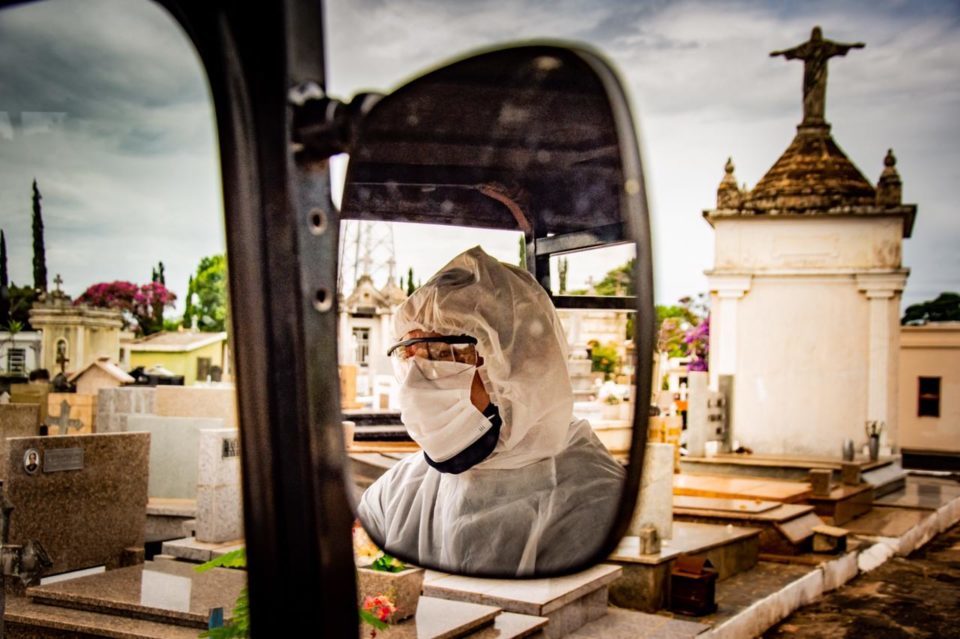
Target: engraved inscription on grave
(231, 447)
(59, 459)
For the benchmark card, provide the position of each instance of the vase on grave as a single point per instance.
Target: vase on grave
(401, 588)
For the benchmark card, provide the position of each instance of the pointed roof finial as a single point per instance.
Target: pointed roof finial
(890, 187)
(729, 195)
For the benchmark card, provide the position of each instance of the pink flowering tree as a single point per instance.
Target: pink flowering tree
(142, 306)
(697, 340)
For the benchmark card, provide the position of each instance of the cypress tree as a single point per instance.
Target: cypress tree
(410, 287)
(523, 252)
(39, 251)
(4, 284)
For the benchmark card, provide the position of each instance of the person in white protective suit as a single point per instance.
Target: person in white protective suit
(509, 482)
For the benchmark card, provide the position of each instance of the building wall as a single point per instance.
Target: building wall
(804, 315)
(801, 375)
(771, 244)
(179, 363)
(930, 351)
(28, 341)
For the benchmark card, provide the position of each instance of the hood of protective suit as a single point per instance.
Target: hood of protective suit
(522, 344)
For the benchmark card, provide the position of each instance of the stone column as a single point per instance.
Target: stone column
(728, 290)
(883, 293)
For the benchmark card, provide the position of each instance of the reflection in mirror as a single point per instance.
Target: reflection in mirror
(475, 404)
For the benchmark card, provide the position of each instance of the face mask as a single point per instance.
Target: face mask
(436, 409)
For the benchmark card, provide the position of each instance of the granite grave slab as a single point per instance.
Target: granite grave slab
(83, 497)
(115, 404)
(174, 452)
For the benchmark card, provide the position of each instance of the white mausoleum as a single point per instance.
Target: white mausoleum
(805, 295)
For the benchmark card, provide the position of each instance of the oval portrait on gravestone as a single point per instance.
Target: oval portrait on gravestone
(31, 461)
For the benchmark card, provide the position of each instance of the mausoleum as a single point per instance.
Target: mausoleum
(806, 285)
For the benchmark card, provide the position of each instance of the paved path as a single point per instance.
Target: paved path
(913, 597)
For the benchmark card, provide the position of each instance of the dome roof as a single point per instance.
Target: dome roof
(812, 175)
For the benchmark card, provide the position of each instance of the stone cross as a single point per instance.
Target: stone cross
(815, 52)
(63, 422)
(58, 281)
(62, 360)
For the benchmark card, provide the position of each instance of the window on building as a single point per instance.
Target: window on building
(361, 337)
(203, 368)
(928, 401)
(17, 360)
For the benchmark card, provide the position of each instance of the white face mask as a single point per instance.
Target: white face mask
(435, 407)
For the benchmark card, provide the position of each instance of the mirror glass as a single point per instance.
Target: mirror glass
(489, 391)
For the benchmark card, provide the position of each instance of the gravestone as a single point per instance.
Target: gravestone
(31, 394)
(82, 408)
(197, 401)
(63, 423)
(83, 497)
(655, 501)
(17, 420)
(115, 404)
(219, 499)
(174, 452)
(706, 415)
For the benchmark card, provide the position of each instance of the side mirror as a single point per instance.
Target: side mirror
(536, 139)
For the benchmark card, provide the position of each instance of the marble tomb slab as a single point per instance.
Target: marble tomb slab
(163, 591)
(174, 452)
(441, 619)
(630, 624)
(510, 625)
(197, 401)
(114, 405)
(86, 502)
(219, 498)
(752, 506)
(728, 487)
(843, 503)
(28, 620)
(784, 530)
(568, 602)
(921, 494)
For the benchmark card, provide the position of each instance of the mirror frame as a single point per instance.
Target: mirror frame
(297, 517)
(634, 215)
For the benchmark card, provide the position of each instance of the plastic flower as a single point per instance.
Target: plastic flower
(365, 552)
(381, 607)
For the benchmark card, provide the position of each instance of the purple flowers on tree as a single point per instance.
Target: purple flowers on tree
(142, 306)
(698, 340)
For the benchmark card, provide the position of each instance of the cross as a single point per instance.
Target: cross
(58, 281)
(63, 422)
(815, 52)
(62, 359)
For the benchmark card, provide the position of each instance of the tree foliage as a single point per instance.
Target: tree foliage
(21, 301)
(675, 321)
(605, 359)
(39, 250)
(410, 286)
(207, 295)
(945, 308)
(142, 306)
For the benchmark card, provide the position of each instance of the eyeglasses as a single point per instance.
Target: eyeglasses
(441, 348)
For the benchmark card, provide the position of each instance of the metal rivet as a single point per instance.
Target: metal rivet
(322, 300)
(318, 221)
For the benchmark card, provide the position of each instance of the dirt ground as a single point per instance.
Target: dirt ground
(913, 597)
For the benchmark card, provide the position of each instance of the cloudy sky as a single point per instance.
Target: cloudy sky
(105, 104)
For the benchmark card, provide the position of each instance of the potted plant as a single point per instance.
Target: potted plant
(382, 579)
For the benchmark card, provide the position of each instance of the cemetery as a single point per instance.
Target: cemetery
(753, 500)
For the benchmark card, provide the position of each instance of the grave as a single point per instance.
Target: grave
(885, 475)
(843, 503)
(785, 529)
(197, 401)
(729, 487)
(567, 602)
(79, 408)
(219, 520)
(17, 420)
(156, 599)
(31, 394)
(62, 423)
(174, 452)
(645, 583)
(115, 404)
(83, 497)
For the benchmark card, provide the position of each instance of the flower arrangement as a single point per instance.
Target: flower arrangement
(384, 579)
(874, 429)
(698, 344)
